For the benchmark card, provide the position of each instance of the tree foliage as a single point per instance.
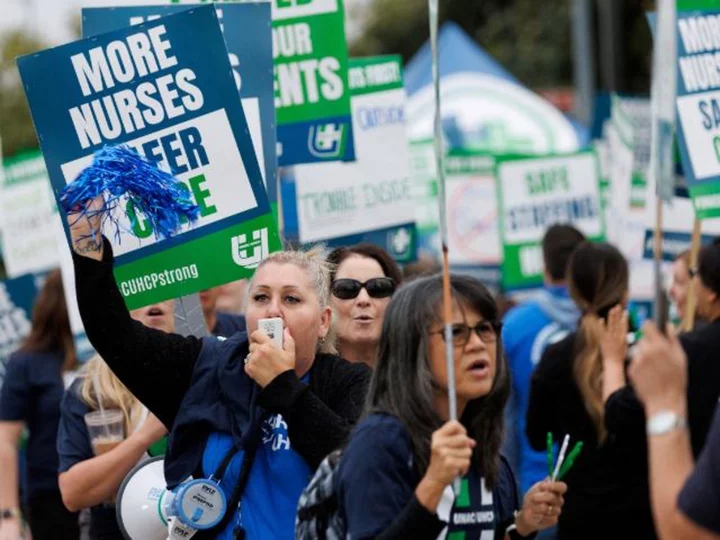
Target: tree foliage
(531, 39)
(16, 127)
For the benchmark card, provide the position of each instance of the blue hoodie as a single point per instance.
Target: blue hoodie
(527, 330)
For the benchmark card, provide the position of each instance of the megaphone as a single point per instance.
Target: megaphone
(142, 502)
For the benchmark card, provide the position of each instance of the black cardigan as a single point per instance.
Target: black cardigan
(158, 368)
(607, 493)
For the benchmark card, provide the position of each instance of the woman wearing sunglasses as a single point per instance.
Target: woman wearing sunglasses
(394, 479)
(364, 279)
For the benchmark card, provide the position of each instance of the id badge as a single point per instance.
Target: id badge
(200, 504)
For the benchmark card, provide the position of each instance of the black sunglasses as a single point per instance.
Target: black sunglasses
(487, 331)
(347, 289)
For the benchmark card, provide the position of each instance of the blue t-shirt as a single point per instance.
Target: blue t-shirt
(73, 446)
(527, 331)
(227, 324)
(31, 393)
(700, 498)
(376, 480)
(277, 478)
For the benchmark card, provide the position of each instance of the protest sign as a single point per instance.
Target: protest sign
(312, 95)
(698, 108)
(371, 198)
(27, 216)
(677, 224)
(626, 214)
(248, 36)
(17, 296)
(172, 97)
(535, 193)
(473, 230)
(425, 192)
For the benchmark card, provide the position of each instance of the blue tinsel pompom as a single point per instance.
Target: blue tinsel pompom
(119, 173)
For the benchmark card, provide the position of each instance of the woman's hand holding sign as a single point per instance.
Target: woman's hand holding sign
(266, 361)
(84, 225)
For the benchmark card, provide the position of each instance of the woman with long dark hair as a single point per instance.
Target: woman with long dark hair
(30, 397)
(579, 388)
(395, 474)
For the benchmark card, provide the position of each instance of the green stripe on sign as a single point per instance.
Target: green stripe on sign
(212, 260)
(457, 535)
(706, 200)
(463, 498)
(375, 74)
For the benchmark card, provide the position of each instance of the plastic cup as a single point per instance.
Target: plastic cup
(106, 428)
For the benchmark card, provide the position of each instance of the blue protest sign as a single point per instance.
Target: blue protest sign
(248, 36)
(16, 302)
(698, 107)
(165, 88)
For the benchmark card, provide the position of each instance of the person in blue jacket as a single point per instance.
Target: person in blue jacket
(31, 394)
(251, 418)
(528, 329)
(394, 477)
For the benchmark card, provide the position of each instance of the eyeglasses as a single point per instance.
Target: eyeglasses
(347, 289)
(487, 331)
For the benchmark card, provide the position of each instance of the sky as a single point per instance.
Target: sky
(52, 18)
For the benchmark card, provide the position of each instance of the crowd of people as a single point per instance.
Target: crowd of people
(345, 431)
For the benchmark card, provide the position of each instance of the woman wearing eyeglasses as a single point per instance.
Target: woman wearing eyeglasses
(394, 479)
(363, 280)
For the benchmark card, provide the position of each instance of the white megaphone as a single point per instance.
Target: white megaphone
(143, 501)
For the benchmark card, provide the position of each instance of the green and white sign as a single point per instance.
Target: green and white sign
(27, 216)
(312, 95)
(698, 107)
(535, 193)
(336, 202)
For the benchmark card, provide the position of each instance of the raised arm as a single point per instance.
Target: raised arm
(155, 366)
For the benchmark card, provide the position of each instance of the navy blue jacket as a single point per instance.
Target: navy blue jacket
(199, 386)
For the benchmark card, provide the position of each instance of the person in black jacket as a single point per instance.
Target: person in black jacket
(394, 478)
(237, 404)
(702, 345)
(579, 388)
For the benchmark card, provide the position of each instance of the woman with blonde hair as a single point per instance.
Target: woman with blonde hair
(579, 389)
(250, 420)
(90, 477)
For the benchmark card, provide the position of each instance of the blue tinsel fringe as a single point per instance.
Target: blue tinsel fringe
(119, 173)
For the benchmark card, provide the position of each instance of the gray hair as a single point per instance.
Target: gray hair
(314, 262)
(403, 385)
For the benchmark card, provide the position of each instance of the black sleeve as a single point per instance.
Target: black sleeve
(317, 428)
(415, 521)
(625, 416)
(377, 487)
(700, 497)
(542, 412)
(155, 366)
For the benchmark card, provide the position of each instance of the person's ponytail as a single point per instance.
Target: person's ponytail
(588, 372)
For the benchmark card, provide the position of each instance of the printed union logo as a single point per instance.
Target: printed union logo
(400, 242)
(326, 141)
(248, 254)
